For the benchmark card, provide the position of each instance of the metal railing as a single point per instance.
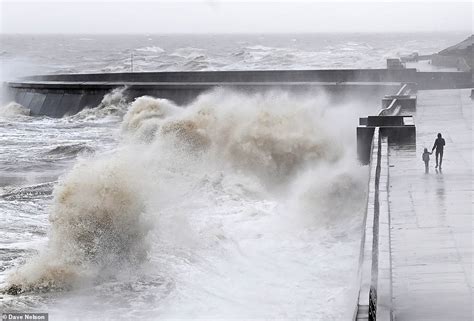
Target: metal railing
(393, 108)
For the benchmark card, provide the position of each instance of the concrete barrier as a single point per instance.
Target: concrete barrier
(375, 294)
(56, 103)
(56, 99)
(397, 129)
(384, 266)
(363, 307)
(393, 121)
(426, 80)
(373, 136)
(69, 93)
(443, 80)
(323, 75)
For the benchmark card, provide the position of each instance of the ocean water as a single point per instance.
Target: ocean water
(33, 54)
(236, 206)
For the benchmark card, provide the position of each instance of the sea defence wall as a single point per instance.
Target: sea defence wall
(65, 94)
(375, 292)
(323, 75)
(56, 99)
(393, 123)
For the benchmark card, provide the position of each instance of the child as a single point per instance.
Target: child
(426, 159)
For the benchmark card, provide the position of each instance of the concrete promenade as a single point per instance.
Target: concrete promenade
(431, 215)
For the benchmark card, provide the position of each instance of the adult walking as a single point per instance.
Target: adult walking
(439, 146)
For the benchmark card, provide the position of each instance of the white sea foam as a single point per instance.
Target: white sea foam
(154, 49)
(188, 53)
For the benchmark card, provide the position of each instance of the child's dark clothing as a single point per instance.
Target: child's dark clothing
(426, 159)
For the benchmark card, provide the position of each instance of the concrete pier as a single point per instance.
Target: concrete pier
(431, 218)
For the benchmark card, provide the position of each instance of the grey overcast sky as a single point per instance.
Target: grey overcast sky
(226, 16)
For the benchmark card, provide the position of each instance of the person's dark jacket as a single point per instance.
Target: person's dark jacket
(439, 144)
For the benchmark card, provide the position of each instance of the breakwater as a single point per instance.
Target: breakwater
(65, 94)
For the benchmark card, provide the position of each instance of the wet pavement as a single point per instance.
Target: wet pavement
(432, 214)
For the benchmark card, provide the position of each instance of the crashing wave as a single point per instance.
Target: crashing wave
(268, 134)
(14, 109)
(114, 103)
(234, 144)
(145, 115)
(97, 224)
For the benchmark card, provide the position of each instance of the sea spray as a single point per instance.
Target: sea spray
(113, 104)
(332, 193)
(145, 115)
(97, 224)
(215, 197)
(272, 134)
(14, 109)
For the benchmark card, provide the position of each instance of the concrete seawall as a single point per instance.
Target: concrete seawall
(59, 95)
(394, 124)
(58, 99)
(375, 294)
(425, 80)
(325, 75)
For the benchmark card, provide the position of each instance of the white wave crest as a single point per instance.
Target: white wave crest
(115, 103)
(14, 109)
(154, 49)
(145, 115)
